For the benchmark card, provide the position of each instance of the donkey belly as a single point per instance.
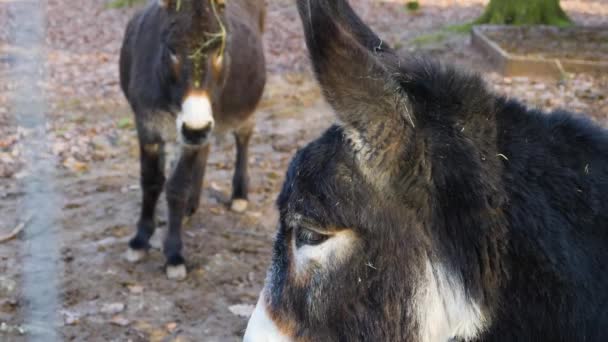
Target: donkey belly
(242, 93)
(246, 74)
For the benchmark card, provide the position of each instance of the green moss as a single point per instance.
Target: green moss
(123, 3)
(524, 12)
(412, 5)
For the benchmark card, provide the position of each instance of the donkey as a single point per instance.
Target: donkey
(434, 210)
(190, 68)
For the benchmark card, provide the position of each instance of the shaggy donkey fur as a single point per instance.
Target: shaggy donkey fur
(434, 210)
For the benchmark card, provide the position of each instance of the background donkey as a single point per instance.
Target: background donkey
(435, 209)
(198, 66)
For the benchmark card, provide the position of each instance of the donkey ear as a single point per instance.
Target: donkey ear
(355, 67)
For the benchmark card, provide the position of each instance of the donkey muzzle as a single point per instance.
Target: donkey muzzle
(196, 136)
(261, 328)
(195, 121)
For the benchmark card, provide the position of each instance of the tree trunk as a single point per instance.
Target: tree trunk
(524, 12)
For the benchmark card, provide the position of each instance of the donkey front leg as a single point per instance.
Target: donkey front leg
(240, 181)
(152, 161)
(178, 194)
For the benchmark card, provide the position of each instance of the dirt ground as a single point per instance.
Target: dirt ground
(94, 150)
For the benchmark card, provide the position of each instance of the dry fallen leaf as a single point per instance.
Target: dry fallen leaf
(75, 166)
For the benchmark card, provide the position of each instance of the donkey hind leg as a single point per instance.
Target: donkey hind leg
(152, 160)
(198, 177)
(177, 192)
(240, 181)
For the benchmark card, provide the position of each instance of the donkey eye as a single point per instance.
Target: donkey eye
(309, 237)
(171, 49)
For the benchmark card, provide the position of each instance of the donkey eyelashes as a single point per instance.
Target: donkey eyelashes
(308, 237)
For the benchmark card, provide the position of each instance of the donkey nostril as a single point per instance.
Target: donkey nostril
(196, 135)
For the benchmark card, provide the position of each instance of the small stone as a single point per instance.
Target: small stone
(242, 310)
(255, 214)
(215, 187)
(120, 320)
(216, 210)
(136, 289)
(171, 327)
(11, 329)
(59, 147)
(112, 308)
(7, 286)
(70, 318)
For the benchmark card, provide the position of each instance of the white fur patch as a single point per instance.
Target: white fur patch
(239, 205)
(335, 249)
(443, 309)
(261, 328)
(177, 272)
(174, 59)
(134, 256)
(196, 112)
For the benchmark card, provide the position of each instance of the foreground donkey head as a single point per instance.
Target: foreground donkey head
(434, 210)
(195, 42)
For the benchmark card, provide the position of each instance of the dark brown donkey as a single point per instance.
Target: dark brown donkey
(190, 68)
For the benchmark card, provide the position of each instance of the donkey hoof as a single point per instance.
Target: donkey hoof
(239, 205)
(135, 255)
(177, 272)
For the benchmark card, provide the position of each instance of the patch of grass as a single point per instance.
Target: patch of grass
(123, 3)
(412, 5)
(430, 38)
(463, 28)
(126, 123)
(442, 34)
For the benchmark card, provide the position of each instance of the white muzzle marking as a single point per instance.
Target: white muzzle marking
(196, 113)
(261, 328)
